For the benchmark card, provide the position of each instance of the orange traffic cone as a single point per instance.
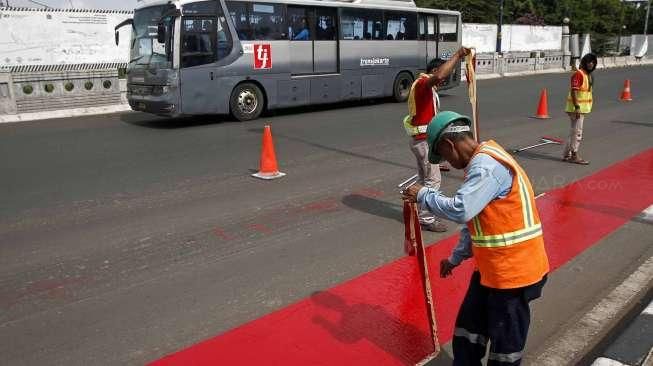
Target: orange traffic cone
(625, 94)
(268, 168)
(543, 106)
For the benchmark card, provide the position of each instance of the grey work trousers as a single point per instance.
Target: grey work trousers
(429, 174)
(575, 134)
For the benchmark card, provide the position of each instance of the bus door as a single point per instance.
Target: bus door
(325, 45)
(428, 27)
(449, 41)
(313, 40)
(300, 33)
(198, 53)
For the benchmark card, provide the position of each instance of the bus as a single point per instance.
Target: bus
(242, 57)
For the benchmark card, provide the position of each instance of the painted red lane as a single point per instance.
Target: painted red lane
(379, 318)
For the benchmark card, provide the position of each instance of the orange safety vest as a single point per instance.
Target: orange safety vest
(583, 97)
(507, 240)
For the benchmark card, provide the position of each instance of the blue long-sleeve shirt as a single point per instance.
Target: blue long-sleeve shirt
(486, 180)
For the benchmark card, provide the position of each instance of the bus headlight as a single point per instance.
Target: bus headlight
(160, 90)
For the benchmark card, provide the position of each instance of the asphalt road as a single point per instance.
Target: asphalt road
(126, 237)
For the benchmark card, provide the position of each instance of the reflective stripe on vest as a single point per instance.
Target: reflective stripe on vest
(413, 130)
(526, 206)
(506, 239)
(583, 97)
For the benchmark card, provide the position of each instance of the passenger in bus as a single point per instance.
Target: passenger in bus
(303, 34)
(423, 105)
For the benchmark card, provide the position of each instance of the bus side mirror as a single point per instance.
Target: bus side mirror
(161, 33)
(117, 35)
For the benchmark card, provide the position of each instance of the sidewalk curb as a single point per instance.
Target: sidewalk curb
(578, 344)
(64, 113)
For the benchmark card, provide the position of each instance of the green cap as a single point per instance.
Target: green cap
(435, 128)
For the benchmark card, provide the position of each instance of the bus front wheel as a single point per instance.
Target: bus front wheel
(401, 89)
(246, 102)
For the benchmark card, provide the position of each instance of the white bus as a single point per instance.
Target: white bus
(242, 57)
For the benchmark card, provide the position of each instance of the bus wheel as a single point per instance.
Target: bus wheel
(402, 86)
(246, 102)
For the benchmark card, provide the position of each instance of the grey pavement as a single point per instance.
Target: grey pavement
(125, 237)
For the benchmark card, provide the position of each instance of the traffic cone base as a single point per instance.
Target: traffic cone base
(268, 175)
(543, 106)
(625, 94)
(268, 167)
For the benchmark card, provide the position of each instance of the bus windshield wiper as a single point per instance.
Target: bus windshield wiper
(136, 59)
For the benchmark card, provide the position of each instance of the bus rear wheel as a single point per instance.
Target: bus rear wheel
(246, 102)
(401, 89)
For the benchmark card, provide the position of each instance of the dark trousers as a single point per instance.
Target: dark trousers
(498, 317)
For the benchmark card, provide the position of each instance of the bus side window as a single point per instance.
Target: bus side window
(239, 15)
(400, 26)
(421, 21)
(325, 27)
(448, 28)
(198, 41)
(266, 21)
(299, 23)
(362, 24)
(223, 37)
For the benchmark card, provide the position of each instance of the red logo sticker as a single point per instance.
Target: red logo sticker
(262, 56)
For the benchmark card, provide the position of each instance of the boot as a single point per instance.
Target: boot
(575, 159)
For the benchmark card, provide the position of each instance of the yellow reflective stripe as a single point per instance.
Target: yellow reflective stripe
(507, 239)
(526, 203)
(413, 130)
(477, 226)
(527, 212)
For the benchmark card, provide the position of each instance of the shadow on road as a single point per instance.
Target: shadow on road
(166, 123)
(375, 207)
(635, 123)
(372, 323)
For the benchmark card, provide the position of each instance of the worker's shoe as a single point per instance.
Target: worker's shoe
(436, 226)
(575, 159)
(566, 157)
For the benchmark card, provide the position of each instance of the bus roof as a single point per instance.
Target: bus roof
(368, 4)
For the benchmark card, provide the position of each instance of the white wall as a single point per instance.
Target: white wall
(483, 37)
(36, 37)
(515, 38)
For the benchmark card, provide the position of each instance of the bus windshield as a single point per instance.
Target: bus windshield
(145, 49)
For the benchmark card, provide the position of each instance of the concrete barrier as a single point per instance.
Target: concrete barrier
(54, 90)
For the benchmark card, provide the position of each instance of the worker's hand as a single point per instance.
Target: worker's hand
(445, 268)
(464, 51)
(410, 194)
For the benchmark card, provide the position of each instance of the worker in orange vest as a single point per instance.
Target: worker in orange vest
(503, 233)
(423, 104)
(579, 104)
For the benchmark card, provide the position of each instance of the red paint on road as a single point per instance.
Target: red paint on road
(379, 318)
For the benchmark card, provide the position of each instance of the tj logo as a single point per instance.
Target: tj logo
(262, 56)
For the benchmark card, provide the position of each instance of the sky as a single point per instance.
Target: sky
(66, 4)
